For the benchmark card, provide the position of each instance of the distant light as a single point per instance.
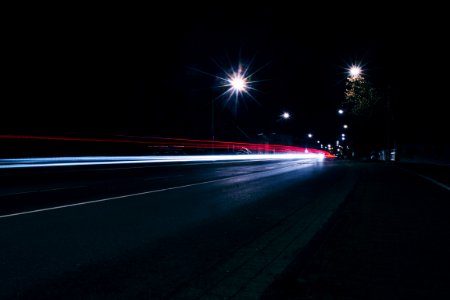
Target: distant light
(343, 138)
(337, 143)
(286, 115)
(238, 83)
(343, 134)
(345, 126)
(318, 142)
(340, 111)
(310, 135)
(355, 71)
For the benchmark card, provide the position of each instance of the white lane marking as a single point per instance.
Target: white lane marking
(44, 190)
(126, 196)
(428, 178)
(108, 199)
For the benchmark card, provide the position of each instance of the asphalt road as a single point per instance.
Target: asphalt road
(148, 231)
(179, 230)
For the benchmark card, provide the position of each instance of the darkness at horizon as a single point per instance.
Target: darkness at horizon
(93, 76)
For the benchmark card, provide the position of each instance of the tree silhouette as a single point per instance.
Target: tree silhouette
(360, 96)
(372, 115)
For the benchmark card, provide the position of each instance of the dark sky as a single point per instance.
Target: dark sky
(144, 73)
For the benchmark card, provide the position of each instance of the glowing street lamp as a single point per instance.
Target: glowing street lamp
(237, 83)
(285, 115)
(309, 135)
(355, 71)
(340, 111)
(345, 126)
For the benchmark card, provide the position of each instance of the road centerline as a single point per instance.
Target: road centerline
(131, 195)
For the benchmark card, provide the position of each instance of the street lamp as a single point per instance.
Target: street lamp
(237, 83)
(285, 115)
(340, 111)
(355, 71)
(345, 126)
(309, 135)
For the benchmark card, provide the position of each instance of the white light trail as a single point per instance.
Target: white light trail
(115, 160)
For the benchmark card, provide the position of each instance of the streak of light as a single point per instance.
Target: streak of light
(113, 160)
(158, 145)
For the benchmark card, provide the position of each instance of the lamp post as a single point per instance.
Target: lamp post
(309, 135)
(281, 127)
(237, 83)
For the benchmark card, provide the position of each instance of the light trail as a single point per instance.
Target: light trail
(164, 143)
(114, 160)
(159, 144)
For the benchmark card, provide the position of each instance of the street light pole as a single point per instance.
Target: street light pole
(212, 127)
(310, 135)
(238, 84)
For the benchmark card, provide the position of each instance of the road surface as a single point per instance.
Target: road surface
(160, 231)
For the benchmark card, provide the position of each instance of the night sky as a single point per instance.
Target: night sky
(101, 73)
